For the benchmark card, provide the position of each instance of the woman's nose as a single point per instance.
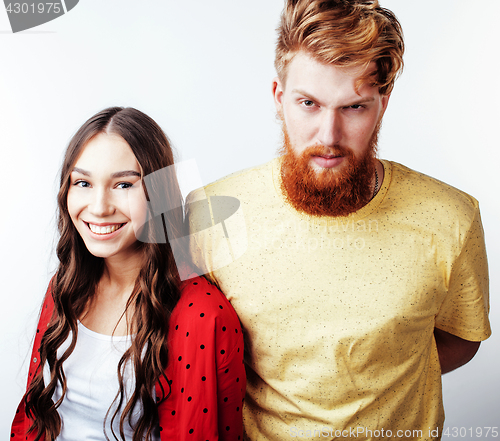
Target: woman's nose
(101, 204)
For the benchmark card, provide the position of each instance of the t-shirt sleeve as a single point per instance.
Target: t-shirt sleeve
(206, 376)
(465, 309)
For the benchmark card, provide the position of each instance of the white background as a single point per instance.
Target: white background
(203, 71)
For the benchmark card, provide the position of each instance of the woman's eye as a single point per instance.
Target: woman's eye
(124, 185)
(82, 184)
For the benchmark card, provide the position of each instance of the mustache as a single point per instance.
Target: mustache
(321, 150)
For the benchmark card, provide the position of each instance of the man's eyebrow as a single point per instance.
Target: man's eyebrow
(303, 92)
(355, 100)
(120, 174)
(369, 99)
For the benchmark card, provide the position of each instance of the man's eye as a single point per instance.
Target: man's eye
(356, 106)
(308, 103)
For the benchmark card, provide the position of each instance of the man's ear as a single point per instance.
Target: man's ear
(278, 95)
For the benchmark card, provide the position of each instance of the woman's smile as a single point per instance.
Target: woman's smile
(103, 230)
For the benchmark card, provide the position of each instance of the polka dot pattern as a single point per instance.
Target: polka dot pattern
(208, 368)
(205, 367)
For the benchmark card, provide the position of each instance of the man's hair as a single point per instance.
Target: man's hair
(346, 33)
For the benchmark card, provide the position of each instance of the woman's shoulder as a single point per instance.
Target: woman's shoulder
(200, 297)
(204, 323)
(203, 313)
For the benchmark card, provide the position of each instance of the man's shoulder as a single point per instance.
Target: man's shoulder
(245, 174)
(414, 187)
(253, 179)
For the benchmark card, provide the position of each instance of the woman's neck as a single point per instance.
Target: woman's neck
(120, 271)
(107, 313)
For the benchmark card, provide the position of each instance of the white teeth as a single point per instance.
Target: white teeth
(104, 230)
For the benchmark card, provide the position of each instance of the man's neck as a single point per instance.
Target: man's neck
(378, 178)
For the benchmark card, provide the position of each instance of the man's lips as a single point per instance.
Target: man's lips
(327, 161)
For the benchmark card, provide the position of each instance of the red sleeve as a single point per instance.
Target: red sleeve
(206, 371)
(21, 423)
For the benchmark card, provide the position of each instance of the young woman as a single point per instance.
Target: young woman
(124, 349)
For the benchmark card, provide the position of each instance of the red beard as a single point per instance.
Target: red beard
(327, 192)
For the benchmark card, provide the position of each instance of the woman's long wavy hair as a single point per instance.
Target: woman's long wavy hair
(155, 294)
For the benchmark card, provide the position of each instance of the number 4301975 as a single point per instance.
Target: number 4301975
(34, 8)
(471, 432)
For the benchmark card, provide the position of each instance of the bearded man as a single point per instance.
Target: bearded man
(361, 281)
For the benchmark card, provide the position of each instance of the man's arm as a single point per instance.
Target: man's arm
(453, 351)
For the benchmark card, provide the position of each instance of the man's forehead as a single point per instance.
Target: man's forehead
(302, 59)
(307, 75)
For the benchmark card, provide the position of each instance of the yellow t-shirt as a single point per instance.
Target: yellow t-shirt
(339, 313)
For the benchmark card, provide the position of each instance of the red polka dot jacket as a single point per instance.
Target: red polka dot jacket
(206, 371)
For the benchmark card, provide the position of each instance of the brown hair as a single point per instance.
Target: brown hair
(347, 33)
(155, 294)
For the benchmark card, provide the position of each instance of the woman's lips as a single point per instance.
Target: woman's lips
(104, 230)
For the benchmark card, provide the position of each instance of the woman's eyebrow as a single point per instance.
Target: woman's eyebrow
(125, 173)
(81, 171)
(119, 174)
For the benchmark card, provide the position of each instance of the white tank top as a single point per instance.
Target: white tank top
(92, 384)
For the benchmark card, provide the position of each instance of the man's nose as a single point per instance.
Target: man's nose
(330, 128)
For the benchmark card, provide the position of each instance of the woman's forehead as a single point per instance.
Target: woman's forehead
(107, 152)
